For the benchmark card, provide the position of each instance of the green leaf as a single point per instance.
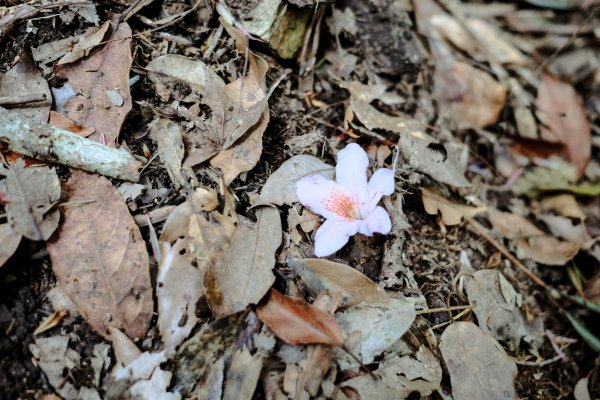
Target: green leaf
(587, 336)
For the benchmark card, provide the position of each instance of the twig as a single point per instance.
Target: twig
(444, 309)
(538, 363)
(22, 99)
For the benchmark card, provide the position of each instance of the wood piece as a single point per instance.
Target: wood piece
(48, 143)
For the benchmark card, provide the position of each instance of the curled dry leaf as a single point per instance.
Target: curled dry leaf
(92, 38)
(451, 213)
(470, 97)
(478, 366)
(100, 258)
(564, 121)
(547, 250)
(280, 187)
(244, 274)
(512, 226)
(296, 322)
(10, 240)
(99, 80)
(51, 321)
(31, 194)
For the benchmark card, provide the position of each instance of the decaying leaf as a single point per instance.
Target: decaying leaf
(27, 87)
(564, 121)
(280, 187)
(419, 149)
(451, 213)
(479, 368)
(380, 322)
(10, 240)
(101, 82)
(245, 274)
(242, 376)
(31, 195)
(400, 376)
(169, 139)
(100, 258)
(512, 226)
(468, 96)
(354, 286)
(296, 322)
(547, 250)
(497, 310)
(180, 285)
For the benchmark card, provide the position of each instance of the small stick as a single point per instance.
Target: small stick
(24, 99)
(443, 309)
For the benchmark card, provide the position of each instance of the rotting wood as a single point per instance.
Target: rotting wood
(48, 143)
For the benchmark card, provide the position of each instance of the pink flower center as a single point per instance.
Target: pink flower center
(341, 204)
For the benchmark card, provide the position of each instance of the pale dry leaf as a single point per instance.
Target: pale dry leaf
(280, 187)
(178, 221)
(130, 190)
(125, 350)
(25, 82)
(242, 375)
(380, 322)
(496, 305)
(100, 258)
(479, 368)
(451, 213)
(563, 204)
(512, 226)
(105, 70)
(563, 120)
(92, 38)
(566, 228)
(581, 391)
(296, 322)
(495, 42)
(354, 286)
(245, 274)
(179, 286)
(547, 250)
(400, 376)
(31, 194)
(10, 240)
(468, 96)
(168, 136)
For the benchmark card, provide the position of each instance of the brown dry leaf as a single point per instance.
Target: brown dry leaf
(354, 286)
(62, 122)
(24, 82)
(168, 136)
(451, 213)
(468, 96)
(31, 194)
(296, 322)
(512, 226)
(244, 274)
(92, 38)
(10, 242)
(50, 322)
(479, 368)
(547, 250)
(179, 286)
(566, 228)
(100, 258)
(564, 205)
(178, 221)
(563, 120)
(101, 81)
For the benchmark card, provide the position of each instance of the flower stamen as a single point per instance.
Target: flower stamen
(342, 205)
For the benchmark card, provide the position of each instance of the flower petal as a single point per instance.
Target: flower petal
(333, 235)
(325, 197)
(378, 221)
(380, 184)
(351, 171)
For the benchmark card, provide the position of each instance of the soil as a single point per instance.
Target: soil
(432, 254)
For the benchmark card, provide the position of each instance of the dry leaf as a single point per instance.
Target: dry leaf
(592, 288)
(563, 120)
(24, 82)
(478, 366)
(62, 122)
(125, 350)
(50, 322)
(280, 187)
(566, 228)
(100, 258)
(10, 242)
(31, 194)
(99, 80)
(92, 38)
(296, 322)
(512, 226)
(452, 213)
(242, 375)
(495, 42)
(468, 96)
(179, 286)
(168, 136)
(496, 305)
(547, 250)
(354, 286)
(563, 204)
(245, 274)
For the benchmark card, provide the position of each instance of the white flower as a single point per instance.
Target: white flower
(350, 204)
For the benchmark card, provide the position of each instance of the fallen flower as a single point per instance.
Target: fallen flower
(350, 204)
